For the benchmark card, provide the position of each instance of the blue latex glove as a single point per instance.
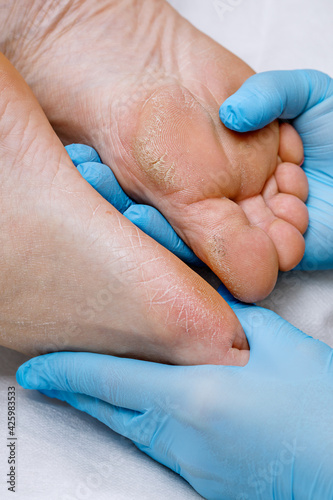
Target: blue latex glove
(147, 218)
(264, 431)
(306, 97)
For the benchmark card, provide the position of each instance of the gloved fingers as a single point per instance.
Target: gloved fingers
(80, 153)
(262, 327)
(147, 218)
(251, 317)
(231, 300)
(103, 180)
(319, 236)
(136, 426)
(98, 175)
(318, 246)
(274, 94)
(120, 420)
(127, 383)
(152, 222)
(316, 130)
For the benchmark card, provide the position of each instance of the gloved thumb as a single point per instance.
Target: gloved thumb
(274, 94)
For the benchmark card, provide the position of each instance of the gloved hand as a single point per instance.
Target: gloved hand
(264, 431)
(306, 97)
(147, 218)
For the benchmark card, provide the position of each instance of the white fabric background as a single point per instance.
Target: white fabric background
(66, 455)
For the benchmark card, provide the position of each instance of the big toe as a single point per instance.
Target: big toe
(242, 255)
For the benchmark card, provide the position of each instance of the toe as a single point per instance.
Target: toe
(289, 243)
(242, 255)
(284, 235)
(291, 146)
(291, 179)
(290, 209)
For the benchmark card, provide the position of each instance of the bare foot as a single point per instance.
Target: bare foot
(141, 85)
(76, 274)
